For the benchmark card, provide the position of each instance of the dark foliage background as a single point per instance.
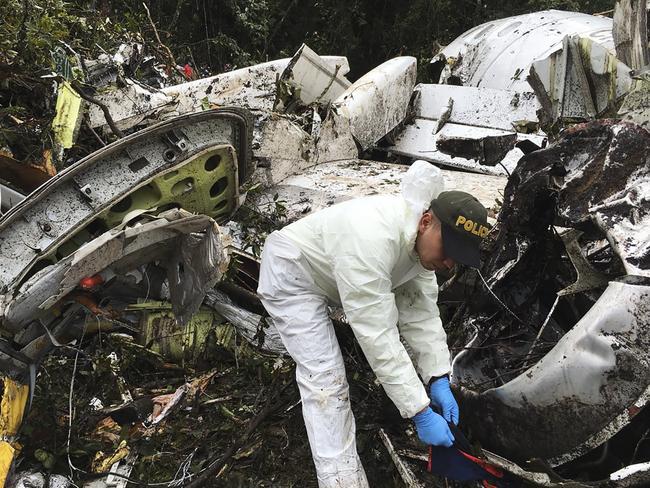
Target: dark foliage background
(41, 38)
(218, 35)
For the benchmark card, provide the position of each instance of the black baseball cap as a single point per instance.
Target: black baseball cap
(464, 226)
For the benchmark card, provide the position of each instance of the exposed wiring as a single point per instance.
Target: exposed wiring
(70, 397)
(497, 298)
(541, 329)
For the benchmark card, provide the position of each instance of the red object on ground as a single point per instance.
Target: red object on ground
(90, 282)
(493, 470)
(188, 71)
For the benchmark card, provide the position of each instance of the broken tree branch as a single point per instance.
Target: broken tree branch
(170, 56)
(408, 477)
(107, 114)
(218, 464)
(92, 131)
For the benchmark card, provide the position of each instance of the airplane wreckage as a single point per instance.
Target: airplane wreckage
(138, 261)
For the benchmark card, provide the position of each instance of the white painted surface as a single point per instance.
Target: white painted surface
(417, 141)
(378, 101)
(9, 198)
(314, 79)
(326, 184)
(252, 87)
(627, 471)
(498, 54)
(480, 107)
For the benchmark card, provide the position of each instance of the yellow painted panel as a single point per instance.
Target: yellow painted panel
(68, 112)
(6, 458)
(14, 399)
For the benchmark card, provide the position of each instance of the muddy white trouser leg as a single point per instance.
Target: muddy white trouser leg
(299, 311)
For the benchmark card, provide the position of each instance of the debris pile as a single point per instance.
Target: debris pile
(132, 336)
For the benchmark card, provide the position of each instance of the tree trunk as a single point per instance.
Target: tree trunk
(630, 32)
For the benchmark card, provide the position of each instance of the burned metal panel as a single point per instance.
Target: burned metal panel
(481, 145)
(474, 126)
(636, 105)
(593, 375)
(610, 187)
(67, 202)
(571, 400)
(378, 101)
(499, 53)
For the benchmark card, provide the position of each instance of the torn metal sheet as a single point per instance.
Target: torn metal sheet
(498, 54)
(130, 105)
(309, 79)
(326, 184)
(477, 126)
(378, 101)
(477, 107)
(618, 200)
(284, 148)
(580, 394)
(252, 87)
(198, 263)
(417, 141)
(36, 228)
(177, 238)
(579, 81)
(593, 377)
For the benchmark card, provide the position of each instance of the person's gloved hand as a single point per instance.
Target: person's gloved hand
(433, 429)
(443, 398)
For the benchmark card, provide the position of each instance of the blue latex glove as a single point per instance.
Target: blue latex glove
(433, 429)
(443, 399)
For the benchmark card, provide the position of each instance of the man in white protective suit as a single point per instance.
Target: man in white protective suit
(376, 257)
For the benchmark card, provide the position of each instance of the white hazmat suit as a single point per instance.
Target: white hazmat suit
(358, 254)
